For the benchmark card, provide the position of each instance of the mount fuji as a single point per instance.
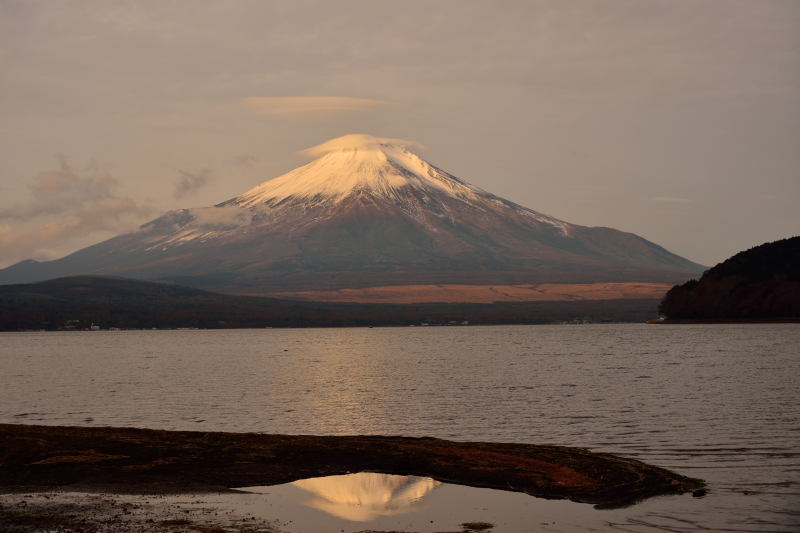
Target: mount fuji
(365, 212)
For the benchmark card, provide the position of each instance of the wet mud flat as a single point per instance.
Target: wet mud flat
(71, 512)
(122, 472)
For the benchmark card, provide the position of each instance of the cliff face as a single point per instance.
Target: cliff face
(759, 283)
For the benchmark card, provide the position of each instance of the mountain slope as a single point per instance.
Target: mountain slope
(366, 211)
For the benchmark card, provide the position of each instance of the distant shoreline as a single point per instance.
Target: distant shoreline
(87, 302)
(728, 321)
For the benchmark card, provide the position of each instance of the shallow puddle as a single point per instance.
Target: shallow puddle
(363, 502)
(374, 501)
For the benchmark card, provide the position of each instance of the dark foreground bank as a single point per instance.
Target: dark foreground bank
(127, 460)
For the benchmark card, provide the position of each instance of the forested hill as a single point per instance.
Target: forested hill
(758, 284)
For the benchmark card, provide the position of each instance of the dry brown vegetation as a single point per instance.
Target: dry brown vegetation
(456, 293)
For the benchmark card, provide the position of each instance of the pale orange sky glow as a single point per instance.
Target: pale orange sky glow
(679, 121)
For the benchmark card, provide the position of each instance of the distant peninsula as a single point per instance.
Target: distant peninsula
(761, 284)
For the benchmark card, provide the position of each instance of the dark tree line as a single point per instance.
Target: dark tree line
(760, 283)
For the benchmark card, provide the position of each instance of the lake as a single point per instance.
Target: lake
(718, 402)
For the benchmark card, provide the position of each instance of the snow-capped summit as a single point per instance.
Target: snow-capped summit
(384, 169)
(365, 211)
(355, 164)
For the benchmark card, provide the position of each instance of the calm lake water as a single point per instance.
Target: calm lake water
(719, 402)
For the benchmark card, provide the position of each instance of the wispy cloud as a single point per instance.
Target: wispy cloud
(63, 206)
(66, 192)
(672, 199)
(190, 182)
(297, 106)
(244, 161)
(221, 217)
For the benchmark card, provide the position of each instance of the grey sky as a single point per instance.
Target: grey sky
(676, 120)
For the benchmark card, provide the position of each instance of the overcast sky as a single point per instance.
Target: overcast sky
(676, 120)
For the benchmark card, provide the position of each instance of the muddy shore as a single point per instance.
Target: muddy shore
(37, 459)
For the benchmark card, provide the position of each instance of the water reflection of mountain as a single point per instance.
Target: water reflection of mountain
(365, 496)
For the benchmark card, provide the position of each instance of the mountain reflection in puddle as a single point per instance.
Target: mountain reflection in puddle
(384, 502)
(365, 496)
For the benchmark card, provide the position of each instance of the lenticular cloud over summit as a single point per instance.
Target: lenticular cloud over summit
(366, 211)
(359, 141)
